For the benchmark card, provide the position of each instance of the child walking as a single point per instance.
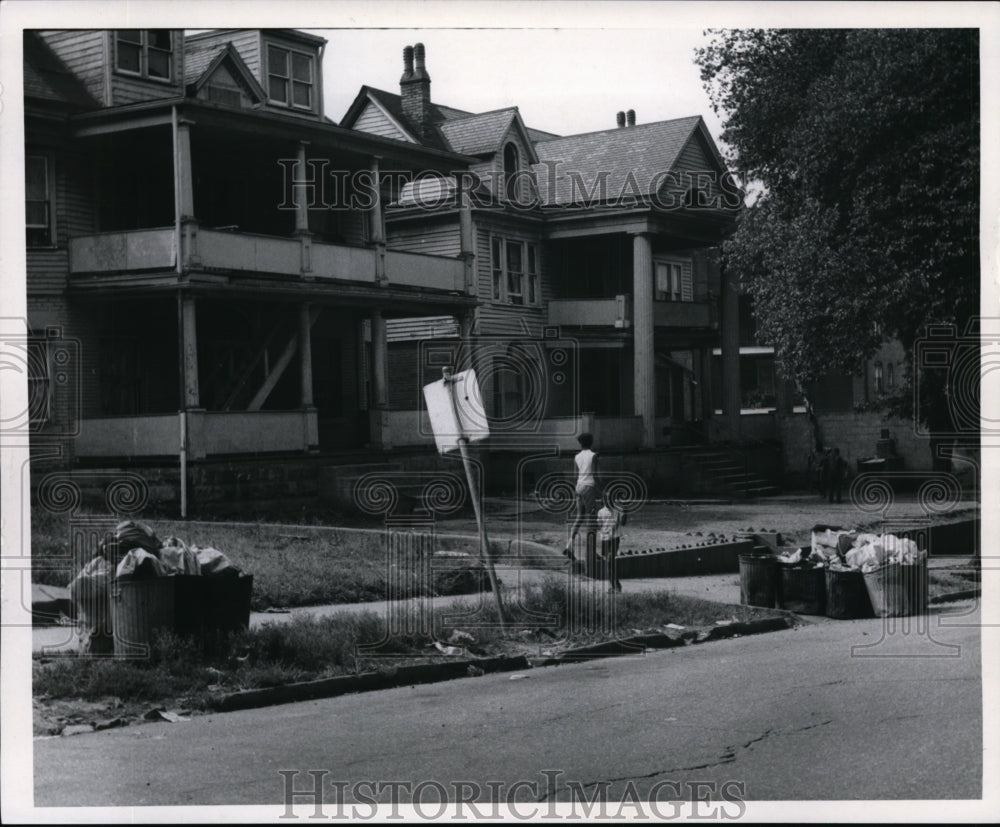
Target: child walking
(610, 522)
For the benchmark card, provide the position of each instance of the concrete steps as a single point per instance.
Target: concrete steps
(725, 473)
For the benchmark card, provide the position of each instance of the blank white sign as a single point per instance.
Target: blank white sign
(452, 420)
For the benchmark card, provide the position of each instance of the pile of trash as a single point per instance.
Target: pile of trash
(843, 550)
(133, 552)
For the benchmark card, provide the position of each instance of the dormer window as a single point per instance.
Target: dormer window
(290, 77)
(511, 159)
(144, 52)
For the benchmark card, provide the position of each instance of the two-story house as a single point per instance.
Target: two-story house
(244, 277)
(170, 234)
(597, 283)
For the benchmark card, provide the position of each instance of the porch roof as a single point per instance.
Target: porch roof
(262, 122)
(318, 291)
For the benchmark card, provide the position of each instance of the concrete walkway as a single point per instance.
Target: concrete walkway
(719, 588)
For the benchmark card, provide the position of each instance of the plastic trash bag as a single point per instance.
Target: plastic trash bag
(139, 564)
(177, 558)
(213, 562)
(127, 536)
(89, 592)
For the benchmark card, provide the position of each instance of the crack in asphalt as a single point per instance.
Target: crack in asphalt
(728, 756)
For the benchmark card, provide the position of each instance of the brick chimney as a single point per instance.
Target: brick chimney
(415, 90)
(620, 118)
(630, 117)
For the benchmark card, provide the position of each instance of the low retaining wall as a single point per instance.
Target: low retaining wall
(717, 558)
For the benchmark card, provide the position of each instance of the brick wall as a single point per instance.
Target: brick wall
(855, 434)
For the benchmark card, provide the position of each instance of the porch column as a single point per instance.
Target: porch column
(467, 234)
(731, 397)
(377, 217)
(707, 404)
(187, 224)
(380, 391)
(305, 354)
(642, 335)
(300, 190)
(189, 351)
(301, 194)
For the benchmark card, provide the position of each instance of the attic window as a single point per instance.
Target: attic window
(145, 52)
(510, 168)
(290, 77)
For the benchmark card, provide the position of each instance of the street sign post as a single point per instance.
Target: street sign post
(455, 409)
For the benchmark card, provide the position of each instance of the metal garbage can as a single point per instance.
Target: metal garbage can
(803, 589)
(758, 575)
(207, 608)
(897, 590)
(846, 595)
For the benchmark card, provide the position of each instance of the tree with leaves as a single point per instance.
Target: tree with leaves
(864, 148)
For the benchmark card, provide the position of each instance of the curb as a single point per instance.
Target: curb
(637, 644)
(952, 596)
(437, 672)
(367, 682)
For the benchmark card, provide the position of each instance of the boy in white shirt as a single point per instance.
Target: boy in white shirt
(610, 521)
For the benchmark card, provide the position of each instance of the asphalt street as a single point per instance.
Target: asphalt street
(852, 710)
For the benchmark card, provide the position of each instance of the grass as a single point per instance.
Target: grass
(307, 647)
(292, 565)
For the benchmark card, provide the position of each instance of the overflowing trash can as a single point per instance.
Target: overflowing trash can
(898, 589)
(846, 594)
(803, 588)
(137, 587)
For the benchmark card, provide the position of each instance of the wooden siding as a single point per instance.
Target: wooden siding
(374, 121)
(46, 270)
(437, 241)
(127, 89)
(246, 43)
(494, 318)
(72, 205)
(83, 52)
(693, 158)
(353, 227)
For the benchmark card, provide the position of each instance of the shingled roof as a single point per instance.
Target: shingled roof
(630, 157)
(47, 78)
(198, 56)
(444, 119)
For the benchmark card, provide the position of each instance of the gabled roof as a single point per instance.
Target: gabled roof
(631, 159)
(481, 134)
(47, 78)
(441, 117)
(224, 54)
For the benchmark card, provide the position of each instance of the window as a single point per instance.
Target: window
(39, 380)
(532, 275)
(515, 272)
(510, 167)
(497, 269)
(672, 282)
(511, 282)
(879, 381)
(37, 201)
(890, 375)
(289, 77)
(145, 52)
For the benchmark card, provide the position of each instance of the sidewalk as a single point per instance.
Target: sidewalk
(719, 588)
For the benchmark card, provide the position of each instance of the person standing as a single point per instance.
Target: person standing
(585, 463)
(836, 473)
(610, 521)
